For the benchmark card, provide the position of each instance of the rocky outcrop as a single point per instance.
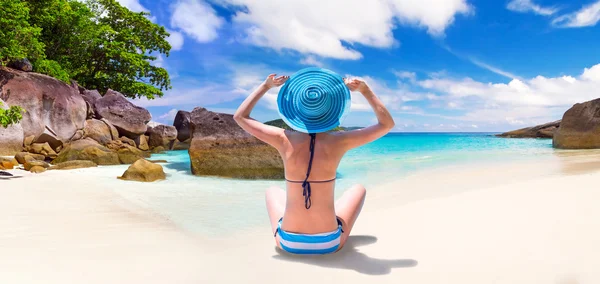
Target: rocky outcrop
(221, 148)
(11, 138)
(90, 150)
(185, 145)
(8, 163)
(142, 143)
(128, 141)
(43, 149)
(90, 97)
(127, 154)
(162, 135)
(76, 164)
(541, 131)
(37, 169)
(100, 130)
(580, 127)
(51, 106)
(182, 124)
(34, 163)
(129, 119)
(145, 171)
(21, 64)
(24, 157)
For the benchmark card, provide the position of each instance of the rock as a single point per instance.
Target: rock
(98, 130)
(77, 136)
(50, 137)
(42, 149)
(127, 154)
(28, 141)
(182, 124)
(128, 141)
(158, 161)
(21, 64)
(128, 157)
(145, 171)
(162, 135)
(37, 169)
(89, 150)
(158, 150)
(11, 138)
(7, 165)
(34, 163)
(181, 145)
(90, 97)
(580, 127)
(142, 143)
(541, 131)
(76, 164)
(24, 157)
(49, 104)
(5, 174)
(129, 119)
(221, 148)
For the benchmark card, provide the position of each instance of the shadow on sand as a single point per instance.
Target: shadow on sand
(350, 258)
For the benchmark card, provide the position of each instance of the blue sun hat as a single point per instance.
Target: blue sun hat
(314, 100)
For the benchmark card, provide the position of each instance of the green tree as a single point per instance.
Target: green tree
(102, 45)
(18, 39)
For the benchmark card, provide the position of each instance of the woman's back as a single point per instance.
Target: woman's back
(296, 157)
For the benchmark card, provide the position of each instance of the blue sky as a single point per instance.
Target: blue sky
(439, 65)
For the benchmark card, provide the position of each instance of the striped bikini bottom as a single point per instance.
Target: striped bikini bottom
(322, 243)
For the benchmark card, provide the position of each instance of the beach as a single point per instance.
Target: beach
(519, 222)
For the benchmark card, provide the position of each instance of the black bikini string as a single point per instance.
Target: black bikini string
(306, 183)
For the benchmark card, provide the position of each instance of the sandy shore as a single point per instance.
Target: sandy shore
(520, 223)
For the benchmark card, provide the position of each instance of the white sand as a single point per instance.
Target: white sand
(512, 224)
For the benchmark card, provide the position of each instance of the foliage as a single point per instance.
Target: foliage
(18, 38)
(10, 116)
(98, 43)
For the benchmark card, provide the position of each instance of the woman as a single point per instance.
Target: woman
(307, 220)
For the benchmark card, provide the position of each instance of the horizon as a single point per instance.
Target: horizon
(439, 66)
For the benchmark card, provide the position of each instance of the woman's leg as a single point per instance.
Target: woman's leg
(275, 198)
(348, 208)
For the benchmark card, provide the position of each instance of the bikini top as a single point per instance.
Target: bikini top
(305, 183)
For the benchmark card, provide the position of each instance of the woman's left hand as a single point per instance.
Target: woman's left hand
(272, 81)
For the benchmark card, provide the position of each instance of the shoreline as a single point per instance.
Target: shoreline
(533, 222)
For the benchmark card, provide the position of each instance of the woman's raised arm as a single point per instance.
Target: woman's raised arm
(269, 134)
(385, 122)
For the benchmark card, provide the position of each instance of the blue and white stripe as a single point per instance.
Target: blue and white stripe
(323, 243)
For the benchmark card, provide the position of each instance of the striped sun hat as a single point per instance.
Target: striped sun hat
(314, 100)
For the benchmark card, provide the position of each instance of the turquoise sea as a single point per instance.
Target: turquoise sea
(216, 205)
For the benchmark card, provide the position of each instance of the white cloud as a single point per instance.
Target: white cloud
(585, 17)
(331, 28)
(133, 5)
(411, 76)
(168, 117)
(524, 6)
(311, 61)
(192, 94)
(197, 19)
(477, 62)
(518, 102)
(176, 40)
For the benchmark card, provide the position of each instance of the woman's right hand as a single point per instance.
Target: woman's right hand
(356, 85)
(272, 81)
